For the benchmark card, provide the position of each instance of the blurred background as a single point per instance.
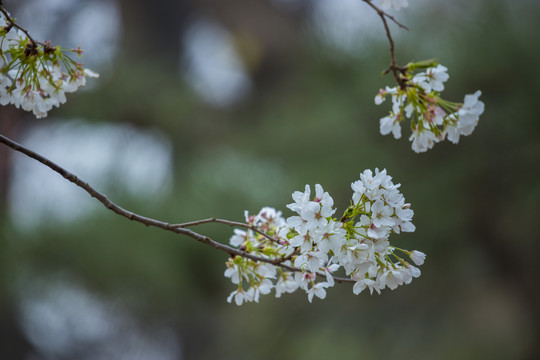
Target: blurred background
(208, 108)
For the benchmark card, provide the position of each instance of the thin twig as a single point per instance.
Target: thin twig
(227, 222)
(380, 11)
(393, 64)
(102, 198)
(12, 23)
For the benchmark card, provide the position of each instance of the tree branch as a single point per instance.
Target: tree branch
(12, 23)
(393, 64)
(227, 222)
(382, 12)
(176, 228)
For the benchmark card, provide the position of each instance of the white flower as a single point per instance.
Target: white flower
(472, 105)
(381, 214)
(238, 238)
(266, 270)
(369, 181)
(453, 133)
(316, 215)
(394, 198)
(359, 190)
(469, 113)
(91, 74)
(303, 279)
(269, 216)
(464, 121)
(378, 232)
(451, 130)
(332, 236)
(390, 124)
(409, 109)
(422, 139)
(285, 284)
(238, 296)
(381, 245)
(313, 214)
(328, 270)
(406, 275)
(323, 197)
(356, 259)
(300, 200)
(381, 96)
(415, 272)
(391, 278)
(317, 290)
(432, 79)
(12, 38)
(300, 239)
(403, 219)
(264, 287)
(233, 274)
(298, 224)
(417, 257)
(384, 179)
(405, 226)
(434, 115)
(362, 284)
(311, 261)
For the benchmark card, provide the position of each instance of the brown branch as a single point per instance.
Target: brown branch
(380, 11)
(176, 228)
(12, 23)
(47, 47)
(393, 64)
(227, 222)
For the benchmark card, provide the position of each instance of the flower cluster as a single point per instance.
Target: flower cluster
(432, 118)
(306, 250)
(35, 76)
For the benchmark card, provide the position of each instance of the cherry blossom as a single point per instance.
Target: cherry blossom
(418, 257)
(36, 76)
(316, 248)
(432, 118)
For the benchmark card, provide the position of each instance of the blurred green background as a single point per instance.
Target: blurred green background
(208, 108)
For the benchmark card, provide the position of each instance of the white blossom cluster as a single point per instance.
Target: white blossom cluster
(432, 118)
(313, 246)
(35, 76)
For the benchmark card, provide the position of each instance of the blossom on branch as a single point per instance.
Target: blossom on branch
(306, 250)
(35, 76)
(418, 99)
